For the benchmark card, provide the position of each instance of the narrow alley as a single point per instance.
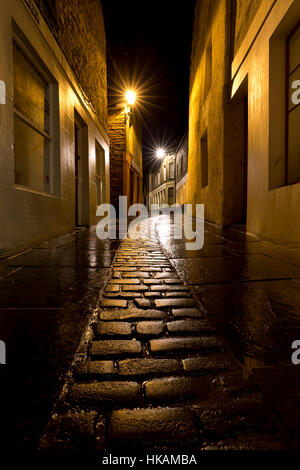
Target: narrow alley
(149, 228)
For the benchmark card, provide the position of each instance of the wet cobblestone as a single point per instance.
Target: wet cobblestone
(172, 380)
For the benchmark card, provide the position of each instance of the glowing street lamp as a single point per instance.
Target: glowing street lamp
(160, 153)
(130, 97)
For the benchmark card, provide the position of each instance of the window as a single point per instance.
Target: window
(165, 172)
(293, 107)
(204, 161)
(170, 195)
(100, 174)
(36, 124)
(171, 170)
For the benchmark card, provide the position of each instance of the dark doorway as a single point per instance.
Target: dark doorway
(77, 158)
(132, 187)
(81, 172)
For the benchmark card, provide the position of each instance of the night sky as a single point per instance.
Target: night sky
(148, 47)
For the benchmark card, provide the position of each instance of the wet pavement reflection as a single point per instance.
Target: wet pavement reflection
(250, 289)
(46, 295)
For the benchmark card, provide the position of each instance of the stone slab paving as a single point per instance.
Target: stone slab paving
(156, 373)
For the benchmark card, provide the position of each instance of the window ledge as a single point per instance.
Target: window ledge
(20, 187)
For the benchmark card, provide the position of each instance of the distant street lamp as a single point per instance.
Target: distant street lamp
(160, 153)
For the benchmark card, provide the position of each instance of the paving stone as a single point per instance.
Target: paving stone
(209, 362)
(180, 388)
(133, 314)
(124, 281)
(143, 303)
(94, 368)
(125, 268)
(166, 275)
(148, 366)
(232, 382)
(104, 328)
(250, 441)
(150, 328)
(168, 345)
(153, 295)
(175, 295)
(112, 288)
(240, 414)
(134, 288)
(187, 313)
(189, 326)
(152, 425)
(123, 295)
(150, 270)
(135, 274)
(78, 428)
(115, 348)
(154, 264)
(165, 288)
(100, 392)
(113, 303)
(151, 281)
(116, 275)
(169, 303)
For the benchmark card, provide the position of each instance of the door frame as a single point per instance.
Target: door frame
(81, 172)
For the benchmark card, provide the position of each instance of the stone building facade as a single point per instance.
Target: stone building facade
(125, 135)
(181, 164)
(243, 144)
(161, 182)
(54, 151)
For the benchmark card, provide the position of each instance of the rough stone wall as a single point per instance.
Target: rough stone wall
(245, 12)
(134, 140)
(117, 138)
(78, 27)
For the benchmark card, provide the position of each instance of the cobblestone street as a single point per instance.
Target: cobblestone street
(152, 371)
(149, 229)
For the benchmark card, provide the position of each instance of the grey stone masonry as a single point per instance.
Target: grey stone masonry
(156, 373)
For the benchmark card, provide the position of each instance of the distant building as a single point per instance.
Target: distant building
(162, 182)
(244, 140)
(181, 165)
(126, 158)
(54, 153)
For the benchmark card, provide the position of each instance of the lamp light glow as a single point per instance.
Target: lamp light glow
(130, 97)
(160, 153)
